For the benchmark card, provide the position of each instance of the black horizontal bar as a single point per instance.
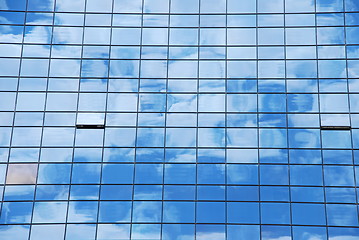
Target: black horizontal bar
(335, 127)
(89, 126)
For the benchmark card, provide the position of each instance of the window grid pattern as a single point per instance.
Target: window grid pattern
(212, 111)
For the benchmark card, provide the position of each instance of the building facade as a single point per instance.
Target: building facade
(179, 119)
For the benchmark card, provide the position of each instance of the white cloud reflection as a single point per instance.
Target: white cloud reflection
(343, 238)
(3, 5)
(13, 231)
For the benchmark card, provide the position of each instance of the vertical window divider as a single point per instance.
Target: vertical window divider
(197, 105)
(77, 112)
(165, 118)
(320, 114)
(257, 108)
(137, 115)
(286, 116)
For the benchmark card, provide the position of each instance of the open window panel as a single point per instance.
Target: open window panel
(90, 121)
(335, 122)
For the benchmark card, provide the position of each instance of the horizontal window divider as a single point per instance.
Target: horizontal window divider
(177, 45)
(180, 93)
(180, 60)
(187, 93)
(174, 78)
(183, 163)
(132, 147)
(176, 223)
(167, 45)
(179, 13)
(95, 126)
(176, 27)
(181, 45)
(180, 200)
(192, 185)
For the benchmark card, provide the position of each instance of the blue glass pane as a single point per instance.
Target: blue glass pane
(113, 192)
(117, 173)
(54, 231)
(52, 192)
(242, 193)
(18, 231)
(16, 212)
(172, 192)
(306, 175)
(274, 175)
(307, 194)
(243, 212)
(49, 212)
(147, 192)
(148, 174)
(336, 232)
(108, 231)
(82, 212)
(19, 193)
(206, 231)
(178, 212)
(242, 174)
(78, 231)
(243, 232)
(86, 173)
(211, 193)
(143, 231)
(178, 231)
(180, 174)
(311, 214)
(84, 192)
(306, 233)
(216, 215)
(342, 215)
(147, 211)
(275, 232)
(275, 213)
(274, 193)
(338, 176)
(340, 195)
(115, 212)
(54, 173)
(211, 174)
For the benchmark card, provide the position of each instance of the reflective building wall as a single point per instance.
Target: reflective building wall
(179, 119)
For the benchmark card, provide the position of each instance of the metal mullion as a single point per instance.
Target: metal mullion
(137, 114)
(176, 27)
(182, 45)
(17, 94)
(135, 13)
(287, 122)
(349, 105)
(179, 60)
(225, 128)
(175, 93)
(197, 104)
(104, 131)
(165, 119)
(77, 110)
(257, 94)
(43, 118)
(13, 122)
(179, 163)
(320, 118)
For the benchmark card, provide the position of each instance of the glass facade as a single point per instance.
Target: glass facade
(179, 119)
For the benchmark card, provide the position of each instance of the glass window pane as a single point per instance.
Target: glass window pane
(55, 212)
